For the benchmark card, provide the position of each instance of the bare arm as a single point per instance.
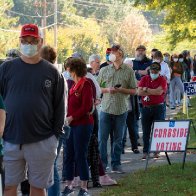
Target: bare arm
(2, 121)
(144, 91)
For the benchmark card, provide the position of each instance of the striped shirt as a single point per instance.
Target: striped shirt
(108, 77)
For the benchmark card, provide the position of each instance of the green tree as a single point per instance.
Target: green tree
(179, 20)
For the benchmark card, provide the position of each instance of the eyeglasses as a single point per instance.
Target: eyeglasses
(32, 42)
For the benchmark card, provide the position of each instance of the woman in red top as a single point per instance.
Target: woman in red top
(80, 104)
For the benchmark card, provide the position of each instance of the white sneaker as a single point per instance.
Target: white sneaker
(106, 180)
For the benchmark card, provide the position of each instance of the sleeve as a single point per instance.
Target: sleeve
(2, 76)
(142, 82)
(167, 73)
(59, 104)
(100, 76)
(86, 102)
(164, 84)
(98, 89)
(132, 80)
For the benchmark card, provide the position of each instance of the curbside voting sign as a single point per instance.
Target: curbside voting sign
(170, 136)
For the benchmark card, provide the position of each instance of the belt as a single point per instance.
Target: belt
(152, 106)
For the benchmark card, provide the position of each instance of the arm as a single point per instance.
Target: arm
(144, 91)
(59, 104)
(126, 91)
(2, 121)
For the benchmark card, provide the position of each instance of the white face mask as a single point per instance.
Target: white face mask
(112, 58)
(181, 60)
(175, 59)
(28, 50)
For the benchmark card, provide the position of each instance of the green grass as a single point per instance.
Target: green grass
(162, 180)
(192, 115)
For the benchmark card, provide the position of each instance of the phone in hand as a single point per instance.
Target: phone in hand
(117, 86)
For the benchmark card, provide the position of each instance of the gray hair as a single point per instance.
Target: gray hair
(93, 57)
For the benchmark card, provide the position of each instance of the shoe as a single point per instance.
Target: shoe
(138, 144)
(144, 156)
(123, 151)
(156, 155)
(117, 170)
(83, 192)
(136, 151)
(97, 184)
(107, 181)
(173, 108)
(67, 192)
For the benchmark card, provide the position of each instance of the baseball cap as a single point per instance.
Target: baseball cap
(141, 47)
(155, 66)
(30, 30)
(116, 47)
(108, 50)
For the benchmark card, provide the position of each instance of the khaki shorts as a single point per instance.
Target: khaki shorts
(37, 159)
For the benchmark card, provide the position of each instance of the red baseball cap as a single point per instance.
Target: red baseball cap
(30, 30)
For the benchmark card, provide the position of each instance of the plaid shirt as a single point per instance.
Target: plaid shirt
(108, 77)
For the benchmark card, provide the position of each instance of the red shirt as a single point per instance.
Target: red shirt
(80, 104)
(146, 81)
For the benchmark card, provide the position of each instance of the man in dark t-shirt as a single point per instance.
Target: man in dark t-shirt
(33, 93)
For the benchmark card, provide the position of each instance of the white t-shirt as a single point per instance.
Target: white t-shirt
(165, 71)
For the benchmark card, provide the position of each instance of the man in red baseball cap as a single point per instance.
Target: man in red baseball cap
(35, 119)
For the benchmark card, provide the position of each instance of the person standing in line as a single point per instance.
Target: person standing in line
(33, 93)
(117, 81)
(80, 119)
(152, 89)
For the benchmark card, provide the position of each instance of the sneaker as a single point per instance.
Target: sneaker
(136, 151)
(156, 155)
(67, 192)
(83, 192)
(144, 156)
(106, 180)
(96, 184)
(173, 108)
(117, 169)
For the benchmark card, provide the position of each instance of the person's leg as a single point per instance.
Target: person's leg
(172, 92)
(131, 124)
(37, 191)
(54, 190)
(119, 124)
(104, 129)
(15, 167)
(41, 169)
(124, 140)
(146, 126)
(81, 137)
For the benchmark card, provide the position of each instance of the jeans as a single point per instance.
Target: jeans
(132, 125)
(105, 125)
(176, 82)
(54, 190)
(149, 115)
(77, 151)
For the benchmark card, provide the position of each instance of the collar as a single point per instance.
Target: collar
(122, 66)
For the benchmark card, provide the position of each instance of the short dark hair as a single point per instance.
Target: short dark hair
(48, 53)
(158, 54)
(78, 66)
(155, 66)
(154, 50)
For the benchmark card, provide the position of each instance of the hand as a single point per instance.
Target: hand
(69, 119)
(144, 88)
(97, 101)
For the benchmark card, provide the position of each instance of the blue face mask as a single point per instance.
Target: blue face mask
(28, 50)
(107, 57)
(154, 76)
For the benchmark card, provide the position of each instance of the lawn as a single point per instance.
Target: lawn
(161, 180)
(192, 115)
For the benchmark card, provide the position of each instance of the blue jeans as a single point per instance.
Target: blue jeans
(77, 151)
(54, 190)
(105, 125)
(149, 115)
